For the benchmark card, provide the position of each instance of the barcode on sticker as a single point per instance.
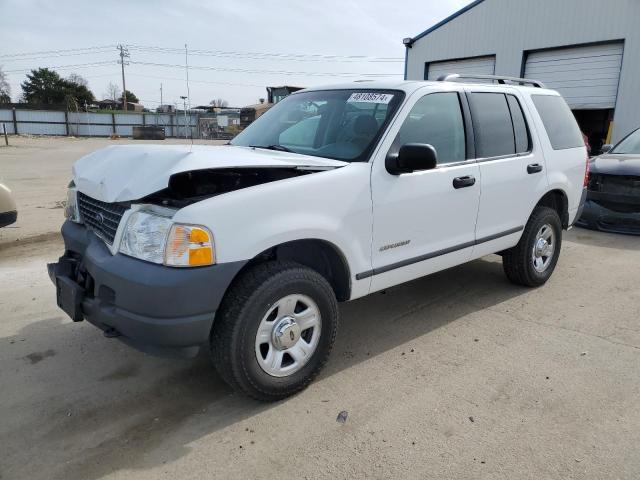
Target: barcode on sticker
(370, 97)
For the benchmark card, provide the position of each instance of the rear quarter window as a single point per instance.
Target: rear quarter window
(559, 123)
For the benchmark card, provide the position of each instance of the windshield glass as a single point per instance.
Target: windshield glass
(337, 124)
(631, 144)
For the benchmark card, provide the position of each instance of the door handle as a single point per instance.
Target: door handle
(534, 168)
(462, 182)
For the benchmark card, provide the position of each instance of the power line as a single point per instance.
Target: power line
(154, 77)
(269, 56)
(65, 67)
(199, 52)
(270, 72)
(80, 51)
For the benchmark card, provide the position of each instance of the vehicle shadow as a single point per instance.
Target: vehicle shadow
(596, 238)
(106, 407)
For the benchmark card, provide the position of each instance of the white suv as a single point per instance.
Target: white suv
(333, 194)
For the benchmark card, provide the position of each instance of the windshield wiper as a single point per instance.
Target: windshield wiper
(279, 148)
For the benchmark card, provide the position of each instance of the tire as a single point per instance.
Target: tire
(520, 263)
(255, 302)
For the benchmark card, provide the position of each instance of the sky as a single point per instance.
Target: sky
(237, 47)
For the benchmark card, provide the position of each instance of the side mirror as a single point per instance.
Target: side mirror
(412, 157)
(606, 147)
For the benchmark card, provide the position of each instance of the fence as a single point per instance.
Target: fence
(95, 124)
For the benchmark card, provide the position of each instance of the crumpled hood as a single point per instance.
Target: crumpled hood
(129, 172)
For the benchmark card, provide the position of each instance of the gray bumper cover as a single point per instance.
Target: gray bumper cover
(157, 309)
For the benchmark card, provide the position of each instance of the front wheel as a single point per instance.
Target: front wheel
(532, 261)
(274, 330)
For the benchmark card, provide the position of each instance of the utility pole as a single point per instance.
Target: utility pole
(184, 100)
(124, 53)
(160, 93)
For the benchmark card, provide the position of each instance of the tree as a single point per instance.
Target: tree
(5, 88)
(219, 103)
(113, 92)
(76, 89)
(78, 80)
(131, 97)
(44, 86)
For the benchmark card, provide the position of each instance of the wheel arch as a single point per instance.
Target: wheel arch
(557, 199)
(320, 255)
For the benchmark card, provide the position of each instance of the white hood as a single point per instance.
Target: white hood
(129, 172)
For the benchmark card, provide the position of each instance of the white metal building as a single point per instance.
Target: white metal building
(589, 50)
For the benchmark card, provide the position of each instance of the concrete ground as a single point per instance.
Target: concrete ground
(458, 375)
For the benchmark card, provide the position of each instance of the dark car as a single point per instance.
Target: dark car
(613, 195)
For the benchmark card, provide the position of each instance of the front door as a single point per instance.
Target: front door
(425, 221)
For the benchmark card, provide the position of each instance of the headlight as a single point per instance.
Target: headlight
(71, 211)
(145, 236)
(157, 239)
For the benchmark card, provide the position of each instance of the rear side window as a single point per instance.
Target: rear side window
(492, 125)
(520, 131)
(561, 126)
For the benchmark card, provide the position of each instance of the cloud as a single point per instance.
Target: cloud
(373, 28)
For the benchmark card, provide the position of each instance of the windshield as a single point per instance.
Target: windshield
(337, 124)
(631, 144)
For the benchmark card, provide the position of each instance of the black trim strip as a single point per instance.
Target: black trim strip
(427, 256)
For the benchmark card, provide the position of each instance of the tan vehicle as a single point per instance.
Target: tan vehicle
(8, 213)
(250, 113)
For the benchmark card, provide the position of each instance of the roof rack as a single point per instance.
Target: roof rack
(498, 78)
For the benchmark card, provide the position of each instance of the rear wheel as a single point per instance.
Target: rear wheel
(532, 261)
(274, 330)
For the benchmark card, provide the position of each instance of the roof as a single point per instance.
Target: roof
(447, 20)
(410, 86)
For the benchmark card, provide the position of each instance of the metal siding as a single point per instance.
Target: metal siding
(587, 77)
(8, 126)
(509, 28)
(41, 129)
(39, 116)
(129, 118)
(477, 66)
(85, 130)
(6, 116)
(124, 131)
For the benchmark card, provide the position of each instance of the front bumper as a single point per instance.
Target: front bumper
(599, 217)
(7, 218)
(157, 309)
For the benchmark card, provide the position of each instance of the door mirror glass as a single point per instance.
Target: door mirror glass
(606, 147)
(412, 157)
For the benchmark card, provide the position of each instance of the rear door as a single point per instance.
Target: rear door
(512, 167)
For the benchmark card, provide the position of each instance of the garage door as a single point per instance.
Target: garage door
(468, 66)
(587, 77)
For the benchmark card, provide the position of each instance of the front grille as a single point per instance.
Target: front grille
(101, 217)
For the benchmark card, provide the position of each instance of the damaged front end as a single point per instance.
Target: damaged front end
(186, 188)
(613, 203)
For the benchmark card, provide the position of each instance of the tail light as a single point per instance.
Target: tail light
(586, 174)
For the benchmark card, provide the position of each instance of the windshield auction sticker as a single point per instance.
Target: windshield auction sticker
(370, 97)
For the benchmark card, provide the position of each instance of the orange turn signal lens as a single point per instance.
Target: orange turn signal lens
(189, 246)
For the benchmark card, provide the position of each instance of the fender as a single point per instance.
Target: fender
(333, 206)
